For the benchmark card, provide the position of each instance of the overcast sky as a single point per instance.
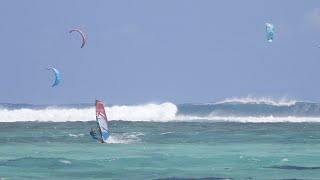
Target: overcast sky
(156, 51)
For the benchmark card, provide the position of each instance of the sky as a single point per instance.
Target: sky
(142, 51)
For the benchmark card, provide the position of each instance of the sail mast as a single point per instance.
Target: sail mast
(97, 114)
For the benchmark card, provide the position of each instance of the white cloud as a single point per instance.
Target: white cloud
(313, 17)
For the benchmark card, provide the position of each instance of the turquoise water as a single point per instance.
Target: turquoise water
(160, 150)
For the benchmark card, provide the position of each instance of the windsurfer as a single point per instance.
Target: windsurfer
(100, 133)
(95, 134)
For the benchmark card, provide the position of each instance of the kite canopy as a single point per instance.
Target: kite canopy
(84, 38)
(269, 32)
(57, 76)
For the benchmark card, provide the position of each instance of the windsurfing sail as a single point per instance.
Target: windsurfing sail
(102, 120)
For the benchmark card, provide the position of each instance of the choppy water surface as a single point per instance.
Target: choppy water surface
(160, 150)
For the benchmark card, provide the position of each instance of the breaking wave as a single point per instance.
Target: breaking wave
(146, 112)
(259, 100)
(247, 109)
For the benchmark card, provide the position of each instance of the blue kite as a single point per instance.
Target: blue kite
(269, 32)
(57, 76)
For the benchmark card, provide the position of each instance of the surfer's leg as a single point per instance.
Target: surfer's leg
(101, 140)
(94, 136)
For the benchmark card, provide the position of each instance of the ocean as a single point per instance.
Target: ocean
(233, 139)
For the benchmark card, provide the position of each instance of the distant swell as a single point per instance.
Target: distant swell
(29, 162)
(288, 167)
(259, 100)
(192, 178)
(251, 119)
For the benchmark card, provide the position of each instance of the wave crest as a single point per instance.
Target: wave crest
(148, 112)
(259, 100)
(161, 112)
(257, 110)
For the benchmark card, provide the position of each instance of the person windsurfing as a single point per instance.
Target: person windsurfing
(100, 133)
(95, 134)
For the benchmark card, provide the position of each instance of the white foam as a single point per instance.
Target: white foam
(259, 100)
(65, 161)
(76, 135)
(166, 133)
(164, 112)
(126, 138)
(146, 112)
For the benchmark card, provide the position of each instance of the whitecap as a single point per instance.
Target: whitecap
(166, 133)
(76, 135)
(125, 138)
(65, 161)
